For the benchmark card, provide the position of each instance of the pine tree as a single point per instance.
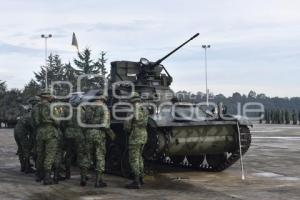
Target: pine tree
(281, 117)
(87, 66)
(101, 64)
(3, 87)
(261, 116)
(267, 116)
(31, 89)
(278, 116)
(294, 117)
(11, 107)
(102, 61)
(85, 63)
(70, 74)
(287, 117)
(272, 116)
(54, 68)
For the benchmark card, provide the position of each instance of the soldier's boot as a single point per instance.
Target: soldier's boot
(68, 163)
(83, 179)
(135, 184)
(22, 163)
(39, 176)
(99, 181)
(68, 173)
(22, 168)
(28, 167)
(142, 180)
(47, 178)
(56, 177)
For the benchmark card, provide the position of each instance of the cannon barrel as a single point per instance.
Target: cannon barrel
(166, 56)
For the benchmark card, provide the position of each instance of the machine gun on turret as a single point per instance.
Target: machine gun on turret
(149, 68)
(144, 73)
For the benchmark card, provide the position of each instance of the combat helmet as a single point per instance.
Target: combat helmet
(135, 97)
(45, 94)
(95, 98)
(34, 100)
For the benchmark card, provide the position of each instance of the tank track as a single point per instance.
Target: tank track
(235, 156)
(205, 166)
(118, 160)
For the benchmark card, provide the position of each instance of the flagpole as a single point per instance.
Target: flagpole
(46, 54)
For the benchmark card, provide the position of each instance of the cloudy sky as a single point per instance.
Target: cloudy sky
(255, 44)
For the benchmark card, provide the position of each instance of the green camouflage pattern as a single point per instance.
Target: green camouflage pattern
(137, 139)
(24, 137)
(96, 137)
(137, 126)
(94, 115)
(34, 123)
(96, 145)
(47, 138)
(74, 140)
(46, 146)
(136, 160)
(60, 150)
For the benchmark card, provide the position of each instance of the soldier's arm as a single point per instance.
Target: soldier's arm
(106, 118)
(56, 115)
(127, 125)
(141, 116)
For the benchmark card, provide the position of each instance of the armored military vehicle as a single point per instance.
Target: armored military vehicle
(177, 131)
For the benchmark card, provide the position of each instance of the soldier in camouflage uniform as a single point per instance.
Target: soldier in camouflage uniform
(34, 104)
(59, 110)
(23, 138)
(96, 138)
(137, 127)
(74, 142)
(46, 138)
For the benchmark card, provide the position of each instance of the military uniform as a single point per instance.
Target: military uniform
(74, 142)
(34, 111)
(47, 139)
(96, 138)
(137, 127)
(23, 138)
(59, 156)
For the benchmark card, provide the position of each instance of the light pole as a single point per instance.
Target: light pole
(46, 76)
(205, 47)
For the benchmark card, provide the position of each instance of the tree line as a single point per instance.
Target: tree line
(13, 102)
(280, 117)
(276, 110)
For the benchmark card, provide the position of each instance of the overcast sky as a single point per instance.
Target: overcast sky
(255, 43)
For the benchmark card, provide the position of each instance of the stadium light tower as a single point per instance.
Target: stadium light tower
(205, 47)
(46, 36)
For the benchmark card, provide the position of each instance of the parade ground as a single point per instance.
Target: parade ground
(272, 167)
